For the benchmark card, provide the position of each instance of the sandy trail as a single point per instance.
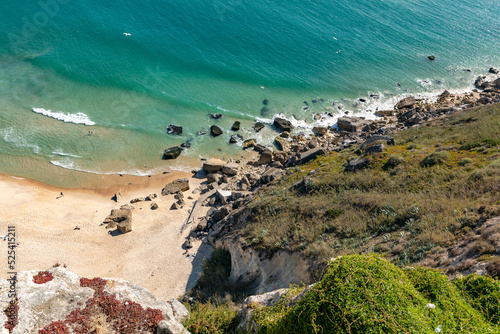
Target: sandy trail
(151, 255)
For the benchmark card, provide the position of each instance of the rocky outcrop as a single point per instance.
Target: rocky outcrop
(283, 124)
(172, 152)
(352, 124)
(175, 186)
(215, 130)
(50, 304)
(174, 129)
(121, 219)
(213, 165)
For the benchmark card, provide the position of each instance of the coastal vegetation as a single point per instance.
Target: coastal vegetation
(416, 199)
(422, 202)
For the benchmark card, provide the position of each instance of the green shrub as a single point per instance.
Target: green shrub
(493, 267)
(451, 312)
(435, 158)
(482, 293)
(208, 318)
(368, 294)
(480, 143)
(393, 162)
(334, 213)
(358, 294)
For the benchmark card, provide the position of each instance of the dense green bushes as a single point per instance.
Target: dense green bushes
(368, 294)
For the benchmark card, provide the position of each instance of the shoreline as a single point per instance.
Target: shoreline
(152, 255)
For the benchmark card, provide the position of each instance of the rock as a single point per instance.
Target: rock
(44, 304)
(230, 169)
(265, 102)
(374, 149)
(384, 112)
(356, 164)
(202, 225)
(283, 124)
(170, 327)
(431, 57)
(213, 165)
(480, 80)
(186, 145)
(280, 157)
(310, 154)
(249, 143)
(285, 134)
(125, 226)
(258, 126)
(151, 197)
(175, 186)
(215, 130)
(213, 177)
(376, 138)
(320, 130)
(174, 129)
(317, 117)
(406, 103)
(154, 206)
(175, 206)
(282, 143)
(172, 152)
(259, 148)
(221, 213)
(138, 199)
(270, 175)
(223, 195)
(265, 157)
(352, 124)
(236, 126)
(235, 138)
(117, 196)
(201, 133)
(493, 70)
(216, 116)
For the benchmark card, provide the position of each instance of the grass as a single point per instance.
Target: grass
(424, 192)
(368, 294)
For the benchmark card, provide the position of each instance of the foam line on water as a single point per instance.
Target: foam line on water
(78, 118)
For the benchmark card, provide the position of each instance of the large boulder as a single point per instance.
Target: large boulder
(230, 169)
(282, 143)
(174, 129)
(120, 218)
(258, 126)
(249, 143)
(283, 124)
(213, 165)
(175, 186)
(65, 302)
(236, 126)
(352, 124)
(215, 130)
(266, 157)
(406, 103)
(172, 152)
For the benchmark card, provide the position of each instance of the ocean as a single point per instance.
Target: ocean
(88, 87)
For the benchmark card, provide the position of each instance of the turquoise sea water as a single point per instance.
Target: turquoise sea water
(184, 60)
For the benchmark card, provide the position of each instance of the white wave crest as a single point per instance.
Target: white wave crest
(78, 118)
(72, 165)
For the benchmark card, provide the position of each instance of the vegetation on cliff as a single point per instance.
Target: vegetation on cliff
(413, 201)
(368, 294)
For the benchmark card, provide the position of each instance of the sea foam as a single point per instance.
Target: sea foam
(78, 118)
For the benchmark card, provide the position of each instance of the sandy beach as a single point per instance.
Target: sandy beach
(151, 255)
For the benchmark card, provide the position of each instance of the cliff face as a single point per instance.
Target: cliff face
(60, 299)
(278, 270)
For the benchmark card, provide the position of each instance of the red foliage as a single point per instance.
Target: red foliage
(12, 316)
(125, 317)
(57, 327)
(42, 277)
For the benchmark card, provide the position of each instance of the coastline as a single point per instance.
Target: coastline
(151, 256)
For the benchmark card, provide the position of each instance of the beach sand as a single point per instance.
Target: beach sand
(150, 256)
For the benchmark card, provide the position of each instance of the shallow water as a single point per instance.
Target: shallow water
(183, 61)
